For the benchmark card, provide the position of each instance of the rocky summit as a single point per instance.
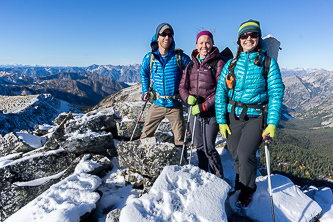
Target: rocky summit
(31, 163)
(83, 167)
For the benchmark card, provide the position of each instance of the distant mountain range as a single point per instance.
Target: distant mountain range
(297, 72)
(125, 73)
(310, 97)
(83, 89)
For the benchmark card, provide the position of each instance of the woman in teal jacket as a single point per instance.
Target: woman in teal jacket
(241, 109)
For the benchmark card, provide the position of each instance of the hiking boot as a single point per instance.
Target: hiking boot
(243, 201)
(245, 196)
(237, 186)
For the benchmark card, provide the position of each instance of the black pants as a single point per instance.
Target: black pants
(205, 134)
(243, 143)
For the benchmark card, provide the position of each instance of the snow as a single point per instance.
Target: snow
(39, 181)
(179, 194)
(290, 203)
(6, 162)
(126, 119)
(65, 201)
(32, 140)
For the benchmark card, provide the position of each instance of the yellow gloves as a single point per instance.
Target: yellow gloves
(191, 100)
(270, 129)
(195, 110)
(225, 130)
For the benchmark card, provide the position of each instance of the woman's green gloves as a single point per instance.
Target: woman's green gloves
(225, 130)
(195, 110)
(270, 129)
(191, 100)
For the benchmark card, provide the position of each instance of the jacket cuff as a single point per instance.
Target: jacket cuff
(202, 108)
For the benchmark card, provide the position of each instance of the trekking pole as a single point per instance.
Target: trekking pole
(187, 125)
(191, 145)
(144, 106)
(268, 141)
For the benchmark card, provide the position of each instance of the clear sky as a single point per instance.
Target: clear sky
(118, 32)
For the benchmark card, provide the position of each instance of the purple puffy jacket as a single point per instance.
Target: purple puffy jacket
(201, 81)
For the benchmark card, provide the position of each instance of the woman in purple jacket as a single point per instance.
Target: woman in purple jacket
(197, 88)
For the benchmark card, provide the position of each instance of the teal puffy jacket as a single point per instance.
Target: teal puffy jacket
(250, 88)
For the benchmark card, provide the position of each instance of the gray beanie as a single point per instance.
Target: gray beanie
(162, 27)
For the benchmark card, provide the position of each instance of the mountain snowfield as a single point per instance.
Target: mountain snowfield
(180, 193)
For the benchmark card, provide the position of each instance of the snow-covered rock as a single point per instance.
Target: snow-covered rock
(181, 194)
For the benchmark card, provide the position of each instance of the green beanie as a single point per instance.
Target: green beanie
(249, 26)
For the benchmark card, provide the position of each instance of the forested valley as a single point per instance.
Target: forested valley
(304, 155)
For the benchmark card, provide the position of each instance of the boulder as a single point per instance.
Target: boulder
(97, 120)
(88, 142)
(10, 143)
(14, 195)
(146, 156)
(113, 216)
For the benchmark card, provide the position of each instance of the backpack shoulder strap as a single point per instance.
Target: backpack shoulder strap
(187, 74)
(267, 62)
(213, 65)
(179, 59)
(151, 61)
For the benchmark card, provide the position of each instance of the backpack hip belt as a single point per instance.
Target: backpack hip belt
(262, 107)
(155, 96)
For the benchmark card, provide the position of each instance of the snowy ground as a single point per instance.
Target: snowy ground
(179, 194)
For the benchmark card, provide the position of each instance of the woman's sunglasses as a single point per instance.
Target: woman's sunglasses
(253, 35)
(163, 34)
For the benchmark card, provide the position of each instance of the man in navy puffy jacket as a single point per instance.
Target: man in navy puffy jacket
(166, 76)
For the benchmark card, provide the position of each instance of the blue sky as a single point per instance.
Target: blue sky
(86, 32)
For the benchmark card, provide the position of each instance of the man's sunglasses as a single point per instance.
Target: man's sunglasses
(163, 34)
(253, 35)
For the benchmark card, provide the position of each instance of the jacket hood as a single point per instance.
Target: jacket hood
(213, 54)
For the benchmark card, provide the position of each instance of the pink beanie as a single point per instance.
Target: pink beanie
(205, 33)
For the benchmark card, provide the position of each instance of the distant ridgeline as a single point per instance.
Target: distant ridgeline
(78, 86)
(120, 73)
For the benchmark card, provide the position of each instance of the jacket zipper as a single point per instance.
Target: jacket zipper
(197, 81)
(244, 76)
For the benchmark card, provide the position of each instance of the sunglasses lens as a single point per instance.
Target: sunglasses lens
(252, 35)
(163, 34)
